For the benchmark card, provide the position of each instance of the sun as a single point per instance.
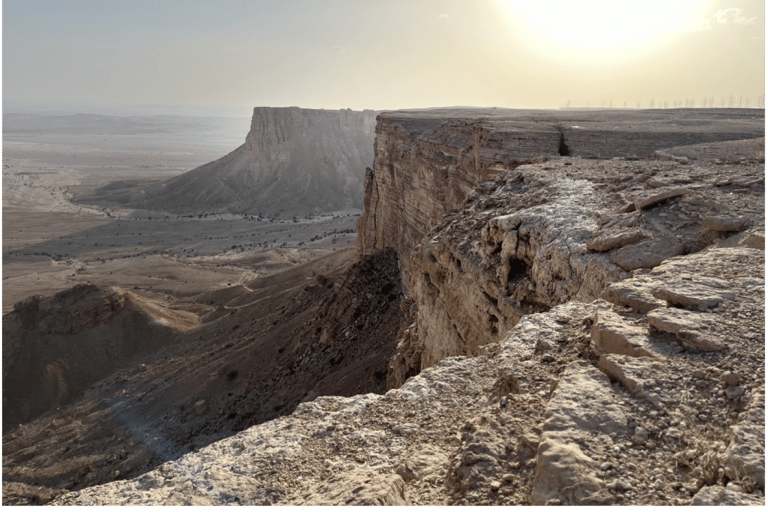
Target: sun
(601, 24)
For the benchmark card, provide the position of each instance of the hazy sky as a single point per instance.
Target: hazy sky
(381, 54)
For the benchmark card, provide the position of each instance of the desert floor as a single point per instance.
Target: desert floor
(51, 242)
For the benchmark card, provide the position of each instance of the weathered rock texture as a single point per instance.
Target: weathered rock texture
(427, 162)
(540, 418)
(294, 162)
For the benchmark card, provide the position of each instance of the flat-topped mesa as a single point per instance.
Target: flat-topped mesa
(427, 162)
(294, 162)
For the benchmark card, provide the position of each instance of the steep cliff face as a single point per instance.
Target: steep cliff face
(294, 162)
(552, 232)
(427, 162)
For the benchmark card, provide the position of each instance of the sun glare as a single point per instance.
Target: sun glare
(602, 24)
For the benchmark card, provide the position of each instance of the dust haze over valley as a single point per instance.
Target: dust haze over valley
(55, 238)
(212, 296)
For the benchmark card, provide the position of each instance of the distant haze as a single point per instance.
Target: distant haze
(223, 58)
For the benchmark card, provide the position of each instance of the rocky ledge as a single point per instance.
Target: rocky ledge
(588, 403)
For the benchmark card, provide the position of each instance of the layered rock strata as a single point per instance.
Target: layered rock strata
(543, 234)
(294, 162)
(428, 161)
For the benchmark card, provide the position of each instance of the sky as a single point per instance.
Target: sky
(232, 55)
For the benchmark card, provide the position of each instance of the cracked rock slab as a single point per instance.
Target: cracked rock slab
(658, 195)
(746, 454)
(581, 407)
(708, 292)
(689, 327)
(633, 293)
(633, 374)
(647, 254)
(720, 223)
(610, 334)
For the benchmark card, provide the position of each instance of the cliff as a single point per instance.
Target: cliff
(294, 162)
(428, 161)
(585, 329)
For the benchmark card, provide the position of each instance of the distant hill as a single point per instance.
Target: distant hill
(294, 162)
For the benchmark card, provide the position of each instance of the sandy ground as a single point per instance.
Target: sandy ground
(51, 242)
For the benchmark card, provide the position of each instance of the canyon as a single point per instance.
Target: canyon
(548, 308)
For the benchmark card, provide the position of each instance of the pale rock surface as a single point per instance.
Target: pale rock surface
(607, 241)
(719, 496)
(647, 254)
(610, 334)
(691, 328)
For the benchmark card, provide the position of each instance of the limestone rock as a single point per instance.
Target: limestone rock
(579, 408)
(714, 495)
(745, 456)
(633, 373)
(723, 223)
(690, 328)
(647, 254)
(633, 293)
(658, 195)
(606, 242)
(694, 292)
(613, 336)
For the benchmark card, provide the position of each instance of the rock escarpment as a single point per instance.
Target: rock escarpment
(294, 162)
(428, 161)
(585, 333)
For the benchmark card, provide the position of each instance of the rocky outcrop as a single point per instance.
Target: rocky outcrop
(543, 234)
(542, 417)
(294, 162)
(584, 332)
(428, 161)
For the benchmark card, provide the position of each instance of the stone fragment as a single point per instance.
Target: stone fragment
(659, 195)
(582, 405)
(201, 406)
(720, 223)
(633, 293)
(730, 378)
(613, 336)
(745, 456)
(734, 392)
(708, 292)
(688, 326)
(607, 241)
(715, 495)
(632, 373)
(647, 254)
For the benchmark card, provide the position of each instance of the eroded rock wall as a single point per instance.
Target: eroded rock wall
(483, 241)
(294, 162)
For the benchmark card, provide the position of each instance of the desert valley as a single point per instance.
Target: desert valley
(464, 306)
